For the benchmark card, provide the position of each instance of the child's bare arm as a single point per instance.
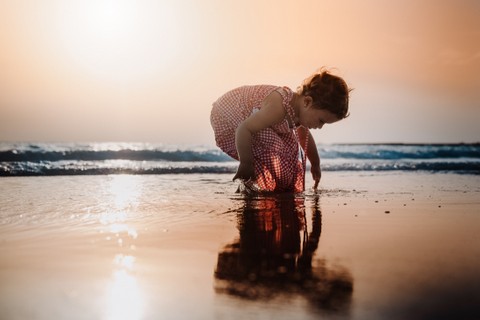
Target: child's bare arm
(270, 113)
(312, 154)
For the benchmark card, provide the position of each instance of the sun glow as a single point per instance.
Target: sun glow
(119, 40)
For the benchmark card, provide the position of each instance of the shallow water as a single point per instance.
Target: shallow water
(187, 247)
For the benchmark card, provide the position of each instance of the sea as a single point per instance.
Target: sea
(151, 231)
(51, 159)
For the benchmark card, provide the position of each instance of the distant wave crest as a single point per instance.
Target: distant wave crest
(24, 159)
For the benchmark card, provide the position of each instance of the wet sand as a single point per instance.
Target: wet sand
(366, 246)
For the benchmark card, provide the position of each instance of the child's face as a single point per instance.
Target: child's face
(313, 118)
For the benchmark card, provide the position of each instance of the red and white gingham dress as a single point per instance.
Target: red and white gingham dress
(275, 150)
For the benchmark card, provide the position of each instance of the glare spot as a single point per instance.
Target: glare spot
(124, 298)
(124, 261)
(126, 191)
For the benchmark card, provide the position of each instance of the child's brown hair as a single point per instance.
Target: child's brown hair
(328, 92)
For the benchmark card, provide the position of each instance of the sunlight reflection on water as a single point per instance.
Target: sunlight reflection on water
(124, 298)
(126, 190)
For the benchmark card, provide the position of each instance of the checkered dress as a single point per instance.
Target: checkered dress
(275, 150)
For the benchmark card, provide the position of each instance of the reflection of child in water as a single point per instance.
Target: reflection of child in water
(270, 257)
(263, 125)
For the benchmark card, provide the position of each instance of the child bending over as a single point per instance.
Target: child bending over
(263, 126)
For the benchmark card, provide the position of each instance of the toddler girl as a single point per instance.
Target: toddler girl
(266, 128)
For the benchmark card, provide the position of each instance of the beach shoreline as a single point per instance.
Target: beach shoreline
(401, 244)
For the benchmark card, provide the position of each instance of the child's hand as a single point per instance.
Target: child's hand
(316, 175)
(245, 172)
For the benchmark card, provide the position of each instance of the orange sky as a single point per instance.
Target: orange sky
(104, 70)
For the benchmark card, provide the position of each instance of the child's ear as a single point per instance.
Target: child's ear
(307, 101)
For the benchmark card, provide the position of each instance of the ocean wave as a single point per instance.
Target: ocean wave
(151, 152)
(136, 155)
(400, 151)
(153, 167)
(27, 159)
(107, 151)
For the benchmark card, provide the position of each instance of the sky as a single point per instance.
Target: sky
(148, 71)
